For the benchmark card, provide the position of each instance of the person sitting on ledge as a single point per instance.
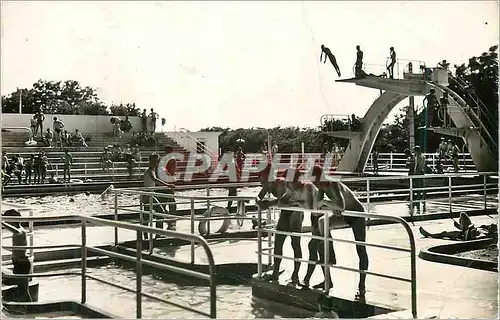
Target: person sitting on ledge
(21, 262)
(467, 231)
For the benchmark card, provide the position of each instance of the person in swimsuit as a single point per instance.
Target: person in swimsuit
(289, 221)
(151, 180)
(330, 56)
(20, 260)
(358, 67)
(341, 198)
(466, 230)
(68, 161)
(390, 67)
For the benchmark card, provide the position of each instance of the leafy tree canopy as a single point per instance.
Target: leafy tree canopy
(58, 97)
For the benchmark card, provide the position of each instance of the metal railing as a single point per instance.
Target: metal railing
(140, 262)
(154, 216)
(326, 238)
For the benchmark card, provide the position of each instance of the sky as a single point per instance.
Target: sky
(233, 64)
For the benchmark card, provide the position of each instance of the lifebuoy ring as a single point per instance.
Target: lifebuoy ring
(214, 211)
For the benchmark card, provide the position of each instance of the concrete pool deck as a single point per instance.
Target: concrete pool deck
(444, 290)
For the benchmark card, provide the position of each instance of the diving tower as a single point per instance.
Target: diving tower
(468, 125)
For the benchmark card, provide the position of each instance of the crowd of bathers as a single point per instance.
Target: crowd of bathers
(115, 153)
(34, 166)
(57, 136)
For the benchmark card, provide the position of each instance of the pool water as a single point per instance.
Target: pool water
(93, 204)
(232, 301)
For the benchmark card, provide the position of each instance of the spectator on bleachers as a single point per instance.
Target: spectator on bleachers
(117, 132)
(126, 125)
(41, 164)
(11, 168)
(144, 120)
(153, 117)
(68, 161)
(5, 160)
(66, 138)
(49, 137)
(78, 137)
(151, 140)
(18, 162)
(116, 153)
(106, 159)
(34, 126)
(135, 139)
(40, 118)
(57, 126)
(29, 168)
(136, 154)
(126, 152)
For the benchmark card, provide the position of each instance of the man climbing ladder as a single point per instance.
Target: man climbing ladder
(330, 56)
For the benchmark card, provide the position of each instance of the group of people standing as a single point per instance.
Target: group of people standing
(149, 120)
(58, 136)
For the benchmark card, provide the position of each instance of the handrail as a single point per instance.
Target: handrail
(326, 232)
(139, 262)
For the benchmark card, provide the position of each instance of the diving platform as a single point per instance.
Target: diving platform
(407, 87)
(467, 124)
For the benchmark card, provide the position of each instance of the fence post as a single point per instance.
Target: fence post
(326, 231)
(390, 161)
(269, 236)
(449, 193)
(85, 164)
(192, 230)
(138, 272)
(113, 171)
(57, 171)
(84, 261)
(30, 224)
(411, 193)
(150, 223)
(484, 190)
(208, 207)
(368, 194)
(116, 217)
(259, 243)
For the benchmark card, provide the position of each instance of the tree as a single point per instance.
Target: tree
(57, 97)
(129, 109)
(477, 84)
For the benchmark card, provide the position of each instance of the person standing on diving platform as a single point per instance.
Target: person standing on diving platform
(330, 56)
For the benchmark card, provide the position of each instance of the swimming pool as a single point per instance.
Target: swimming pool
(93, 204)
(232, 301)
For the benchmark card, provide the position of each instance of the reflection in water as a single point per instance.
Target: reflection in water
(232, 301)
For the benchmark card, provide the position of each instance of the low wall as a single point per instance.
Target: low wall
(86, 124)
(211, 139)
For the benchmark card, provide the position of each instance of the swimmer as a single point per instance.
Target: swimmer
(330, 56)
(20, 260)
(289, 221)
(467, 230)
(341, 198)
